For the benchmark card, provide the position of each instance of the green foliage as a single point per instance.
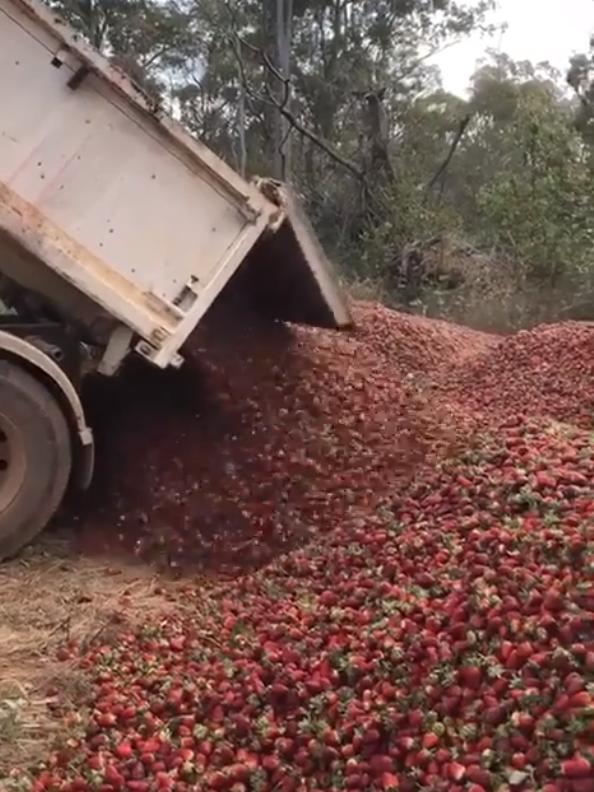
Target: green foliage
(540, 205)
(150, 40)
(407, 218)
(581, 78)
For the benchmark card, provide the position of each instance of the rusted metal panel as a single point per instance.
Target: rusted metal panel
(48, 243)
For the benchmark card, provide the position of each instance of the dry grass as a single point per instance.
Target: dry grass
(48, 597)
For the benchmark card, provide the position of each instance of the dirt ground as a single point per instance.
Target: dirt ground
(53, 598)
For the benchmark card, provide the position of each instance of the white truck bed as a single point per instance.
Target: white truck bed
(108, 207)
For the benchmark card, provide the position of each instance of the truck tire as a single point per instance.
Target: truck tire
(35, 457)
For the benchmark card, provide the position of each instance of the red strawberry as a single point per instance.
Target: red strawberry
(389, 782)
(123, 750)
(578, 767)
(456, 771)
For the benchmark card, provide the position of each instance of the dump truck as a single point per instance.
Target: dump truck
(118, 231)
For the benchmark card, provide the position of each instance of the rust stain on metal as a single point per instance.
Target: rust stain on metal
(42, 232)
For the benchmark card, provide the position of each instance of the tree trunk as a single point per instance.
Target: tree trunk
(378, 166)
(241, 124)
(278, 35)
(271, 113)
(284, 30)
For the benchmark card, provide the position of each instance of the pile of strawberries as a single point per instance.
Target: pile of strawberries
(267, 436)
(548, 372)
(430, 627)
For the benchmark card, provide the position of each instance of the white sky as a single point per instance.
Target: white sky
(537, 30)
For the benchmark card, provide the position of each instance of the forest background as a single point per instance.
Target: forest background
(477, 209)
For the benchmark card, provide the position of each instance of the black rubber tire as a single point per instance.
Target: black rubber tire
(44, 446)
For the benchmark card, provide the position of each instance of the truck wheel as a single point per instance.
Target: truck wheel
(35, 457)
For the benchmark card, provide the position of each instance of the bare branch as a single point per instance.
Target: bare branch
(281, 106)
(150, 61)
(440, 172)
(419, 61)
(321, 143)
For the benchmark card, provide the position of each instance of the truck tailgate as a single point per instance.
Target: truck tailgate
(293, 279)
